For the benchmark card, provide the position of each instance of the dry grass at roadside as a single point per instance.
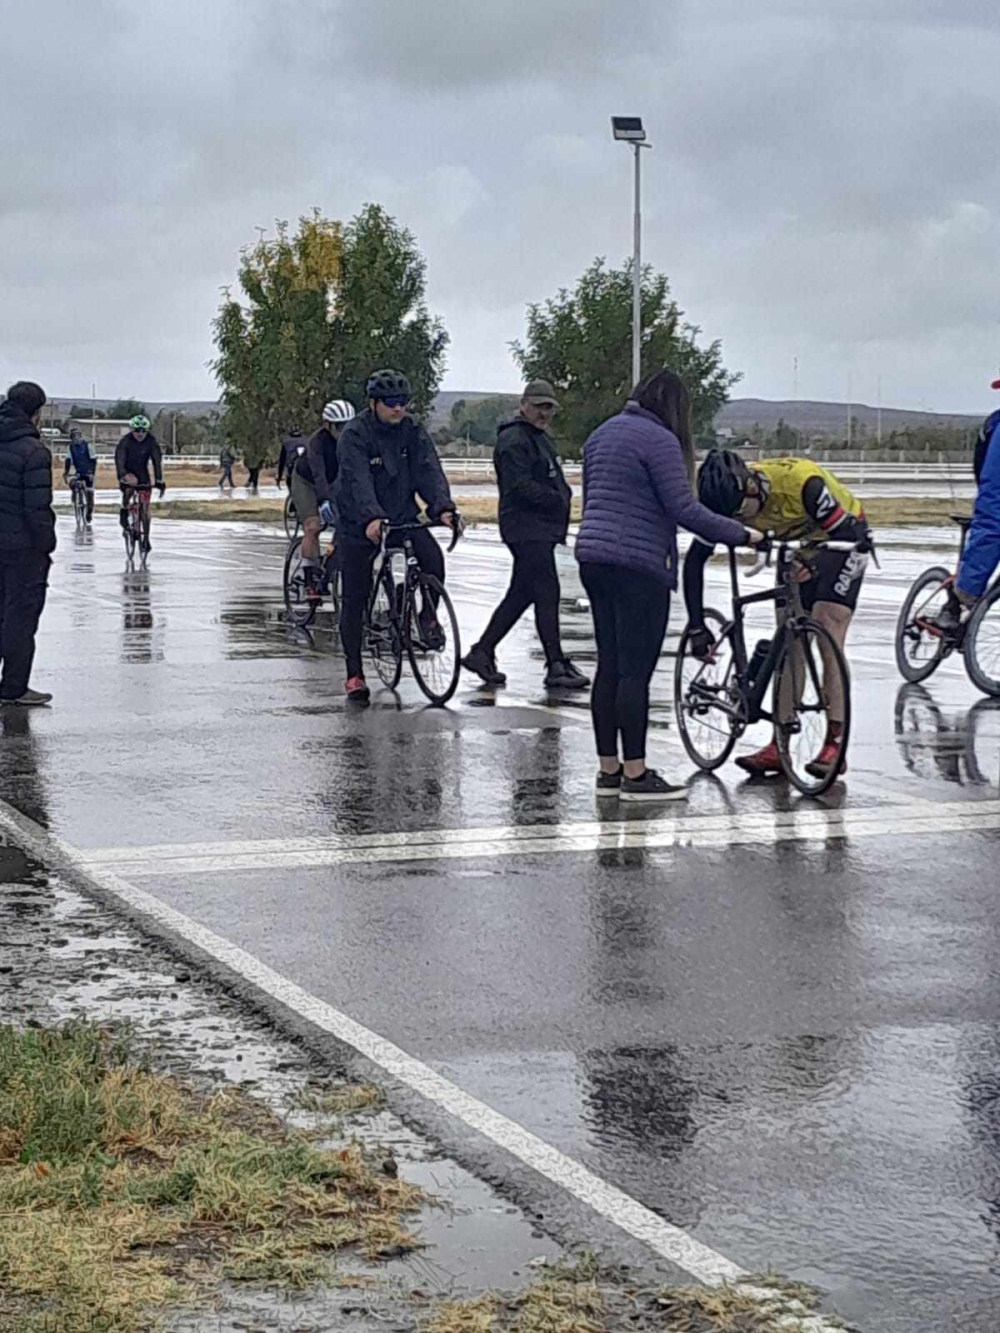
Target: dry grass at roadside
(123, 1192)
(185, 474)
(577, 1300)
(888, 512)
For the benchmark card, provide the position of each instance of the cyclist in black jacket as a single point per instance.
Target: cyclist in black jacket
(133, 456)
(312, 476)
(386, 460)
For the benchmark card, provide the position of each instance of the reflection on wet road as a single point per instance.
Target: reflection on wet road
(772, 1023)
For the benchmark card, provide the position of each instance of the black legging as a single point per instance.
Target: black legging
(534, 579)
(630, 613)
(355, 574)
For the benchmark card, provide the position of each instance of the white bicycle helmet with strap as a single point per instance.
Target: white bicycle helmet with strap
(338, 411)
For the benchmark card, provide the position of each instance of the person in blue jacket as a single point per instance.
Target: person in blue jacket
(81, 461)
(982, 548)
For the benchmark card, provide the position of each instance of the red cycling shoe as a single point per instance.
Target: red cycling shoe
(357, 690)
(763, 762)
(831, 753)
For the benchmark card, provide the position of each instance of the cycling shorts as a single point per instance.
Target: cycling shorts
(838, 578)
(303, 495)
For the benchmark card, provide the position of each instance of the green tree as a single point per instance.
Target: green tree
(581, 341)
(275, 344)
(86, 412)
(478, 421)
(382, 317)
(124, 408)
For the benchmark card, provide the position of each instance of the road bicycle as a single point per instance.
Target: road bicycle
(410, 611)
(136, 529)
(718, 697)
(78, 489)
(921, 645)
(291, 519)
(302, 599)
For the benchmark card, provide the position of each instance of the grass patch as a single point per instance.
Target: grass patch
(885, 512)
(578, 1300)
(123, 1192)
(340, 1098)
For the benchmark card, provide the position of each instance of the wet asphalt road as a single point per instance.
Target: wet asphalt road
(788, 1047)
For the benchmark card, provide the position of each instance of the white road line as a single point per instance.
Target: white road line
(764, 828)
(632, 1217)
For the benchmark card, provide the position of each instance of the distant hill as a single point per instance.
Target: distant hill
(829, 419)
(189, 409)
(811, 418)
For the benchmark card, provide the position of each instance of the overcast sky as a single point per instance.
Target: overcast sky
(823, 182)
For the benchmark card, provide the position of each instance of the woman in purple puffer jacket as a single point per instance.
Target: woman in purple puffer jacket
(637, 470)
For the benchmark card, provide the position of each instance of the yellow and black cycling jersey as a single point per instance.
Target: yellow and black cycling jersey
(802, 500)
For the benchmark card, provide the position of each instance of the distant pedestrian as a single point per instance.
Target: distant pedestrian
(253, 478)
(226, 460)
(27, 538)
(534, 519)
(637, 470)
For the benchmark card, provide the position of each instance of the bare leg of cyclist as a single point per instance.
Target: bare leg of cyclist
(837, 621)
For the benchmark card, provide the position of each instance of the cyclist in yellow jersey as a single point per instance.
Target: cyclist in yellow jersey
(799, 500)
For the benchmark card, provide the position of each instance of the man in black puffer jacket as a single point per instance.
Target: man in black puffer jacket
(27, 538)
(534, 518)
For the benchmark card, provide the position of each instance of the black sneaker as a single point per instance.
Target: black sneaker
(651, 787)
(30, 699)
(563, 675)
(608, 784)
(484, 665)
(949, 618)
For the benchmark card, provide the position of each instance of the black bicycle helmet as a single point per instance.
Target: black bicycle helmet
(387, 384)
(722, 481)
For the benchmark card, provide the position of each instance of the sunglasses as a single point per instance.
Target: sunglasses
(397, 400)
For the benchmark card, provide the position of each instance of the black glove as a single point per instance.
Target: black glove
(161, 486)
(700, 643)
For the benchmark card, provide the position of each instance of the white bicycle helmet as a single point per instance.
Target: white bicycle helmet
(339, 411)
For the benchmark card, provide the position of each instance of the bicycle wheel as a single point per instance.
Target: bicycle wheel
(432, 640)
(920, 649)
(382, 633)
(131, 542)
(334, 587)
(300, 609)
(79, 508)
(982, 644)
(710, 709)
(291, 518)
(801, 710)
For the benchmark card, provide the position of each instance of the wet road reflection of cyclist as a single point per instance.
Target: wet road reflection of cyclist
(963, 748)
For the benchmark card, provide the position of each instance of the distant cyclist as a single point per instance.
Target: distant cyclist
(386, 460)
(292, 446)
(81, 461)
(796, 499)
(982, 547)
(310, 482)
(135, 453)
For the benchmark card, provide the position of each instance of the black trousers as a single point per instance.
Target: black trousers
(24, 578)
(534, 580)
(356, 580)
(630, 613)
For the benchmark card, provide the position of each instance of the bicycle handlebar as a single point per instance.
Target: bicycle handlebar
(457, 528)
(765, 549)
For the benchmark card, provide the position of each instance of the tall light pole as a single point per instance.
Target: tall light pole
(629, 130)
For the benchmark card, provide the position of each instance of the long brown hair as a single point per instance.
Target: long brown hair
(665, 395)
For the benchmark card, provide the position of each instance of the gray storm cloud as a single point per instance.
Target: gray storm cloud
(821, 185)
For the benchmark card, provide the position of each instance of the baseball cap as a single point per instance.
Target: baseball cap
(540, 393)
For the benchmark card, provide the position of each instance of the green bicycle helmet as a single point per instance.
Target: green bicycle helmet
(139, 422)
(388, 384)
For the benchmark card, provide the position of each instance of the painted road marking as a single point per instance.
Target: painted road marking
(628, 1214)
(764, 827)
